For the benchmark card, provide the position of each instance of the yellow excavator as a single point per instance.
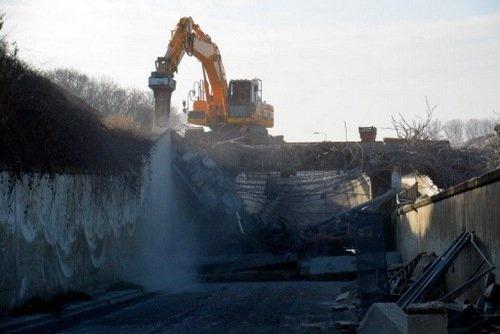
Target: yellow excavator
(217, 105)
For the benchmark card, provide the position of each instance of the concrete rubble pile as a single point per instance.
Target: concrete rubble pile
(265, 210)
(283, 197)
(445, 165)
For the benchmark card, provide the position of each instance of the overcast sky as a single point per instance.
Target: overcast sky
(321, 62)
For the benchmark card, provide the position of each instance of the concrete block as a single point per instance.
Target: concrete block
(389, 318)
(422, 323)
(421, 317)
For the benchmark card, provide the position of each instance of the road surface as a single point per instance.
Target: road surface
(274, 307)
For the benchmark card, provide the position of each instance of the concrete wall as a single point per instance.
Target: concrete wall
(430, 225)
(66, 232)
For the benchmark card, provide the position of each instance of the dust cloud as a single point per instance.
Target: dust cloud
(165, 244)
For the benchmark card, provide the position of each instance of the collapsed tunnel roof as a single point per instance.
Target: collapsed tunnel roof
(445, 165)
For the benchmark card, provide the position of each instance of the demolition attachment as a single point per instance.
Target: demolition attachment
(163, 85)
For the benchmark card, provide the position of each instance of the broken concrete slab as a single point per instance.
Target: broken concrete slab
(257, 261)
(383, 318)
(343, 296)
(337, 265)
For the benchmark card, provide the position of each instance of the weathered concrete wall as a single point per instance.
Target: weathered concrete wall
(66, 232)
(430, 225)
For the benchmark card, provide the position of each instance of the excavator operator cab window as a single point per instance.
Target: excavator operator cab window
(257, 90)
(240, 93)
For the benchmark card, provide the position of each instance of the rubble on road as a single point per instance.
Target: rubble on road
(422, 288)
(263, 266)
(418, 295)
(248, 267)
(400, 277)
(335, 267)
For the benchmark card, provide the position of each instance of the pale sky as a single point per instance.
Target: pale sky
(321, 62)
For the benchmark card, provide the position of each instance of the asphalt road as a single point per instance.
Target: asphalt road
(274, 307)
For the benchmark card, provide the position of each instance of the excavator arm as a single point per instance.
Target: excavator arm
(189, 38)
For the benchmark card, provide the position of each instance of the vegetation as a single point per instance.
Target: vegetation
(458, 131)
(430, 128)
(46, 129)
(118, 107)
(2, 42)
(420, 128)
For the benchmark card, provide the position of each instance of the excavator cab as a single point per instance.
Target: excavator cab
(246, 106)
(200, 107)
(245, 103)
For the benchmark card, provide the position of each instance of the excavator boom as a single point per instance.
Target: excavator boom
(239, 104)
(189, 38)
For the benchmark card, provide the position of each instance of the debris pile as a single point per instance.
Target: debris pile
(445, 165)
(489, 146)
(249, 267)
(266, 210)
(266, 266)
(419, 288)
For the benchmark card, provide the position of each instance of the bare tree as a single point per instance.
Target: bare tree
(454, 131)
(106, 96)
(487, 126)
(4, 47)
(119, 107)
(2, 38)
(435, 130)
(475, 128)
(420, 128)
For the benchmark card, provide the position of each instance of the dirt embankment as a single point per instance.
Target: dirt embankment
(45, 129)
